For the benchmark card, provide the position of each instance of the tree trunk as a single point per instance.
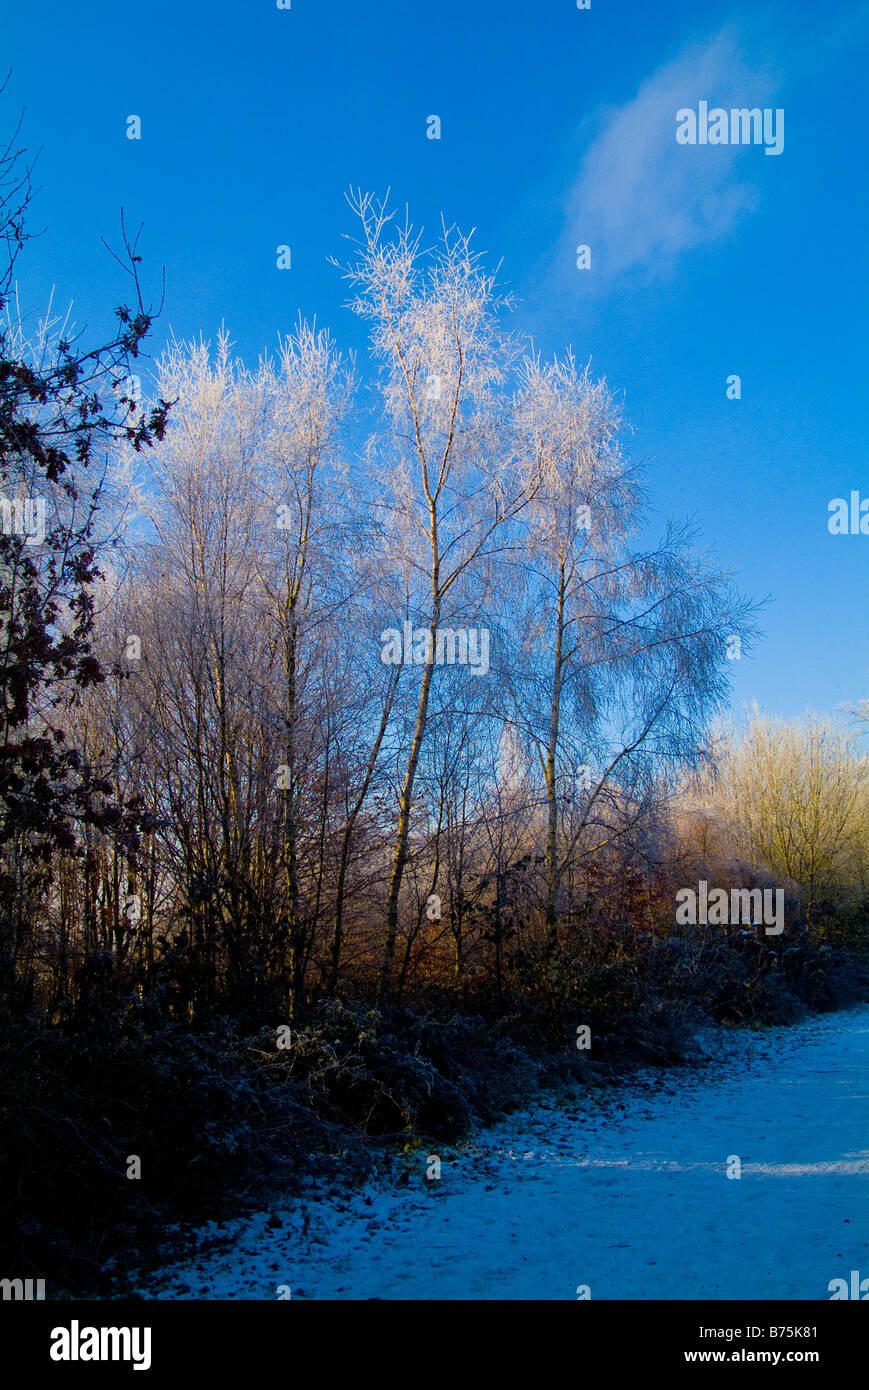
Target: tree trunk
(405, 805)
(290, 830)
(551, 779)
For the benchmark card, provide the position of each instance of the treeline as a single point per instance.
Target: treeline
(309, 807)
(324, 681)
(357, 707)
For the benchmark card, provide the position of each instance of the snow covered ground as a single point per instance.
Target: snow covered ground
(626, 1193)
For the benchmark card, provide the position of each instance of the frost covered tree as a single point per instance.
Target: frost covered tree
(624, 653)
(449, 476)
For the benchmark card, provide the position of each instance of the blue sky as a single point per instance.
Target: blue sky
(558, 129)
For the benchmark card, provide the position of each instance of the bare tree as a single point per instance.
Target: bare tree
(625, 649)
(795, 795)
(448, 470)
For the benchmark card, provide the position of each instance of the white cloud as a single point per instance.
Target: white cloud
(641, 200)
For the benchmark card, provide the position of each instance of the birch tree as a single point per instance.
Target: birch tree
(298, 528)
(448, 474)
(626, 647)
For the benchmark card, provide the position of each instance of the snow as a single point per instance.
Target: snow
(623, 1189)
